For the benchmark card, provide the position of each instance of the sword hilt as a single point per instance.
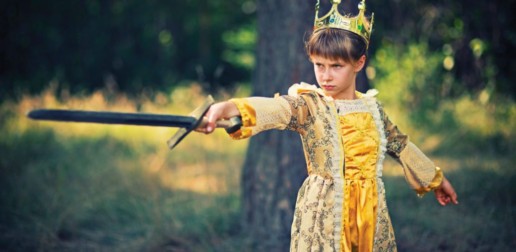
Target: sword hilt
(231, 125)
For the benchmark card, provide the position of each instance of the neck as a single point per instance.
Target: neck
(352, 96)
(348, 94)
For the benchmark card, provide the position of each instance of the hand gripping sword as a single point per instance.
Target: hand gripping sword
(186, 124)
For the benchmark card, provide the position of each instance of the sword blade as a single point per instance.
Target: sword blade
(141, 119)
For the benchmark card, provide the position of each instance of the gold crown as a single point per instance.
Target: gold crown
(333, 19)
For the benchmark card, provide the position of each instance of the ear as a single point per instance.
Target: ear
(359, 64)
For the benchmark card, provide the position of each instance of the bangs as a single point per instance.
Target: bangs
(335, 44)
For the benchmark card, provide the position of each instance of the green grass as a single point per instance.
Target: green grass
(483, 221)
(81, 194)
(67, 187)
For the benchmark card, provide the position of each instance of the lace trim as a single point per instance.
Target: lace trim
(345, 107)
(338, 179)
(382, 148)
(380, 189)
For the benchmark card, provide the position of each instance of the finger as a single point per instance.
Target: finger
(212, 118)
(444, 200)
(210, 127)
(439, 197)
(452, 195)
(454, 198)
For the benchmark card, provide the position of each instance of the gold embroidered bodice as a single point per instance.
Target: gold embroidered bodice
(341, 204)
(361, 140)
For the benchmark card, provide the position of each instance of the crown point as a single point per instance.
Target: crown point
(361, 6)
(359, 24)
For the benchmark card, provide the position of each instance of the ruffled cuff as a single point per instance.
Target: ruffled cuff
(248, 115)
(434, 184)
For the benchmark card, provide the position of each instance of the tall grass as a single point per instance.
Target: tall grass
(87, 187)
(76, 186)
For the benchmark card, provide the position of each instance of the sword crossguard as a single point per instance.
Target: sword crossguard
(231, 125)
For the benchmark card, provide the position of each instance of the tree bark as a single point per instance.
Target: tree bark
(275, 167)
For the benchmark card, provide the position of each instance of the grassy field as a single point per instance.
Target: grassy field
(80, 187)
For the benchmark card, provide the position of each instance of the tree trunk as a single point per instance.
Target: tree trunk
(275, 167)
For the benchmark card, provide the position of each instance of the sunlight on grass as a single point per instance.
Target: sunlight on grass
(197, 164)
(78, 186)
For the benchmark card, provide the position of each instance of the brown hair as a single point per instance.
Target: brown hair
(336, 44)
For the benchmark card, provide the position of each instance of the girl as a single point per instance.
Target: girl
(345, 134)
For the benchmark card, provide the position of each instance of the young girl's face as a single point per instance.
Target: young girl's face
(337, 77)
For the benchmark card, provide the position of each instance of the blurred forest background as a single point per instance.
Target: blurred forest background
(445, 71)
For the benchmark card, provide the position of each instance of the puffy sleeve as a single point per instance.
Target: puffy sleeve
(262, 113)
(420, 172)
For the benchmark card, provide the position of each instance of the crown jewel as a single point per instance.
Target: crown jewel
(333, 19)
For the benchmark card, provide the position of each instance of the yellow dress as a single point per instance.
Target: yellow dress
(341, 204)
(361, 141)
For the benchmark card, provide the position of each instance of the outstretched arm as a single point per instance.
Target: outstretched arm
(420, 171)
(445, 193)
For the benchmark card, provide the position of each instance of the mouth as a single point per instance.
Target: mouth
(328, 87)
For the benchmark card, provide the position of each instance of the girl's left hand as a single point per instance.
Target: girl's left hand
(445, 193)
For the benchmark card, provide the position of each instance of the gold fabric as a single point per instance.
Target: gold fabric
(264, 118)
(344, 167)
(248, 115)
(361, 142)
(436, 182)
(420, 172)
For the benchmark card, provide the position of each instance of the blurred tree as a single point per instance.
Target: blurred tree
(134, 46)
(475, 39)
(275, 166)
(140, 46)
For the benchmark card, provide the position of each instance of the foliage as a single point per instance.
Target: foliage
(133, 46)
(414, 86)
(150, 46)
(477, 39)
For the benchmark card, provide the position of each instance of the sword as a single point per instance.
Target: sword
(186, 124)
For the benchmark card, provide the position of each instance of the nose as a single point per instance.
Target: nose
(325, 75)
